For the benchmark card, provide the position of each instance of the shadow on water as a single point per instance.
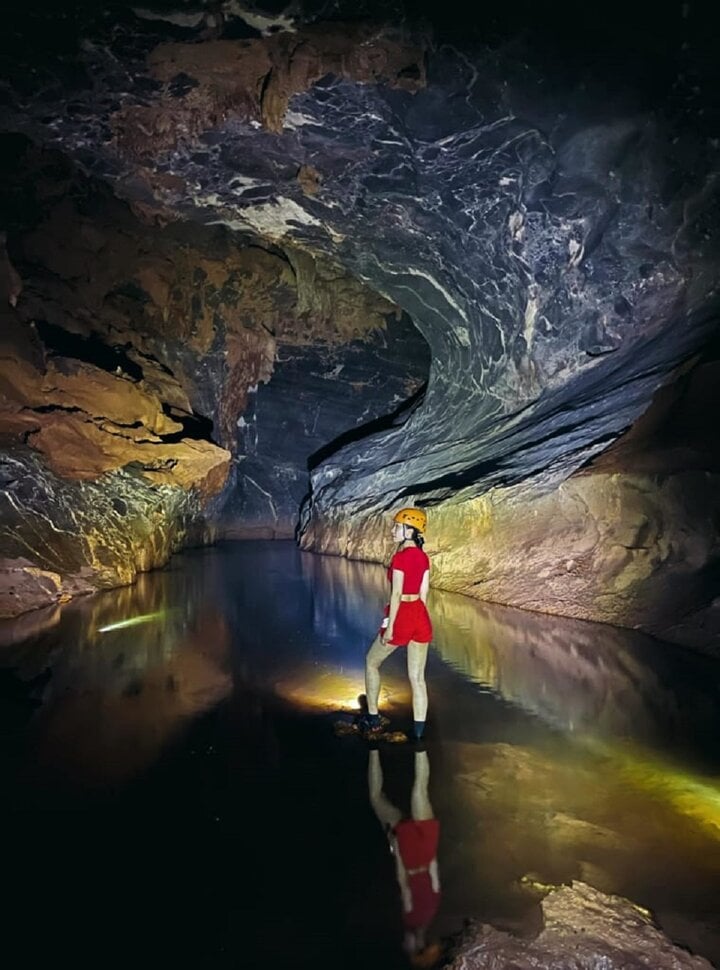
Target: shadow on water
(174, 790)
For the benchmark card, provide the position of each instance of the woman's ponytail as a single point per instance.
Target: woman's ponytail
(417, 538)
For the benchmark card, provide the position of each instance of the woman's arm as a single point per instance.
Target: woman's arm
(425, 586)
(397, 584)
(405, 894)
(434, 876)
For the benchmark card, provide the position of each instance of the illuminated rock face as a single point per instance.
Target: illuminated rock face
(536, 235)
(131, 396)
(62, 537)
(631, 539)
(549, 232)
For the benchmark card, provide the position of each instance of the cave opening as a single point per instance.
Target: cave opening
(320, 399)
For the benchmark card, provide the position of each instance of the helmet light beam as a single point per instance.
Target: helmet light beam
(132, 621)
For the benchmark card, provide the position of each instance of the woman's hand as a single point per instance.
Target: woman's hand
(387, 636)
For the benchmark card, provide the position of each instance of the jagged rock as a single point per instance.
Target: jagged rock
(584, 929)
(71, 386)
(88, 423)
(532, 233)
(253, 80)
(631, 539)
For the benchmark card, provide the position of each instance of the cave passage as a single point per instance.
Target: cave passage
(174, 788)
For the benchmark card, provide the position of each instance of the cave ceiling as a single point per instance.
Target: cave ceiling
(545, 213)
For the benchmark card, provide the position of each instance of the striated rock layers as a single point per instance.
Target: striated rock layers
(632, 538)
(545, 216)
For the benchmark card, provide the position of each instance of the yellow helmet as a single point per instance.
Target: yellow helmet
(413, 517)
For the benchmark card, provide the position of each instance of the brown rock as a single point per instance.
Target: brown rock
(250, 359)
(310, 179)
(618, 548)
(79, 449)
(584, 929)
(76, 386)
(23, 587)
(255, 79)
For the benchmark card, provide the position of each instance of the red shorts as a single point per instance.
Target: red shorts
(418, 844)
(412, 622)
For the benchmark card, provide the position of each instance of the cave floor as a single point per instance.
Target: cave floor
(174, 789)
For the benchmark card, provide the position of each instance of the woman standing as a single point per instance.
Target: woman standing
(407, 623)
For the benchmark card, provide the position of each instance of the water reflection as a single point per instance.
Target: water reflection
(580, 676)
(575, 675)
(112, 696)
(413, 841)
(299, 626)
(560, 749)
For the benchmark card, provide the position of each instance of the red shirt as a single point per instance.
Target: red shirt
(413, 563)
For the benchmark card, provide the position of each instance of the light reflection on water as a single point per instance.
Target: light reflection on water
(558, 749)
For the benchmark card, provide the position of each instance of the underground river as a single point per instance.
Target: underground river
(174, 789)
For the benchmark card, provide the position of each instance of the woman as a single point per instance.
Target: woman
(414, 843)
(406, 622)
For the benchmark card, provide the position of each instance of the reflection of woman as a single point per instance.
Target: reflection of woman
(406, 623)
(414, 843)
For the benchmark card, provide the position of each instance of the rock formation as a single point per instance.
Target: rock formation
(584, 929)
(133, 416)
(539, 200)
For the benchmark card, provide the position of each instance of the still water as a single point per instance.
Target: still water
(174, 790)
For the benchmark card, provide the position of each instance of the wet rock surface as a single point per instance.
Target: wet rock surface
(584, 929)
(63, 537)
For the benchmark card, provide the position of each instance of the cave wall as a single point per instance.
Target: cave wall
(541, 199)
(632, 538)
(316, 391)
(131, 356)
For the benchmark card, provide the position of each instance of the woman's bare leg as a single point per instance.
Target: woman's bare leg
(376, 655)
(386, 812)
(420, 807)
(417, 658)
